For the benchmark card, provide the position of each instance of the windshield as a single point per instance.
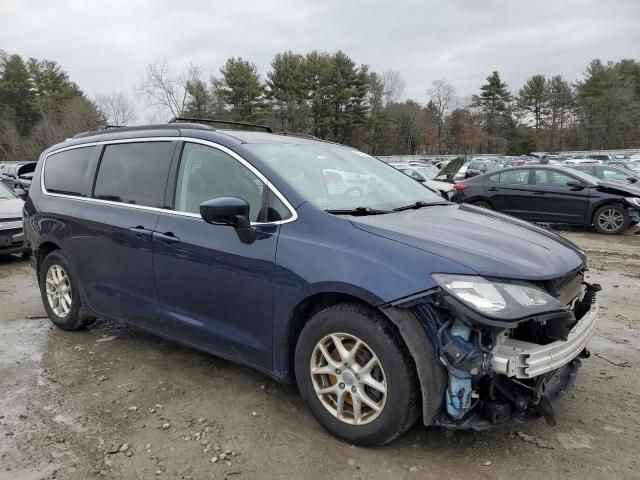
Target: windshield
(5, 193)
(340, 178)
(430, 171)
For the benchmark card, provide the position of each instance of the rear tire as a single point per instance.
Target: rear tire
(611, 219)
(391, 385)
(60, 293)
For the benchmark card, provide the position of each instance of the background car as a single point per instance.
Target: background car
(426, 175)
(609, 173)
(555, 195)
(603, 157)
(479, 167)
(11, 232)
(582, 161)
(627, 165)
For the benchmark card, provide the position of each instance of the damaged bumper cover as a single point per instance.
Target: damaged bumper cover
(496, 371)
(520, 359)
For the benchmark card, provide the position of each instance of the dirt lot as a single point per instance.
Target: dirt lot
(111, 402)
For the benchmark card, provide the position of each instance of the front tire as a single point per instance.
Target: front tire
(60, 293)
(356, 375)
(483, 204)
(611, 219)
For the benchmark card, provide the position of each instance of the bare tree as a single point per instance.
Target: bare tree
(165, 91)
(443, 96)
(393, 86)
(116, 108)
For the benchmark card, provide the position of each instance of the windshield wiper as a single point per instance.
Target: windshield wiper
(358, 211)
(418, 204)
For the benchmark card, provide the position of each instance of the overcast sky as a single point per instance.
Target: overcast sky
(105, 45)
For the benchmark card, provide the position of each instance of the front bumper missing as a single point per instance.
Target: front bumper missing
(519, 359)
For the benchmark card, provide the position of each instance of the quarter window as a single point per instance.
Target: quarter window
(206, 173)
(70, 172)
(134, 173)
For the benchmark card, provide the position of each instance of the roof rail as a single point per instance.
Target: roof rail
(300, 135)
(224, 122)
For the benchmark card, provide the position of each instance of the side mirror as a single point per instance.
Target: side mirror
(632, 179)
(231, 211)
(575, 184)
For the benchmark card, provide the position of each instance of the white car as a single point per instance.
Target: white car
(11, 233)
(426, 174)
(342, 182)
(582, 161)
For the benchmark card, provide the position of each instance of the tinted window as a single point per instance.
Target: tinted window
(206, 173)
(70, 172)
(553, 178)
(517, 177)
(134, 173)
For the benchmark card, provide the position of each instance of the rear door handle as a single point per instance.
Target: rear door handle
(140, 232)
(167, 237)
(493, 189)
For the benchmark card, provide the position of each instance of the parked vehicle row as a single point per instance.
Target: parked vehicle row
(384, 306)
(17, 177)
(548, 194)
(11, 230)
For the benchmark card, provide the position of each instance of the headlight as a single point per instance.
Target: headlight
(500, 300)
(633, 201)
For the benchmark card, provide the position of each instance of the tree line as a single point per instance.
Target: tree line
(328, 95)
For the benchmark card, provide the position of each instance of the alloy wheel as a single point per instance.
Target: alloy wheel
(348, 378)
(610, 220)
(58, 289)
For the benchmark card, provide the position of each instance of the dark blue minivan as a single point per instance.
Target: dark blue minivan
(317, 264)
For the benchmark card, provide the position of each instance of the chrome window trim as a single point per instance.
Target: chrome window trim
(270, 186)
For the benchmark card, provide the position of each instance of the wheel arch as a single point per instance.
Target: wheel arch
(432, 382)
(44, 248)
(609, 201)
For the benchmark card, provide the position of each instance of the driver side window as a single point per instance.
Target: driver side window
(206, 173)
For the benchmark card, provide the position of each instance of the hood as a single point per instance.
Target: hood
(619, 188)
(27, 168)
(11, 208)
(490, 243)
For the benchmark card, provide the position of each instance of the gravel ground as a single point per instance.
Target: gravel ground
(111, 402)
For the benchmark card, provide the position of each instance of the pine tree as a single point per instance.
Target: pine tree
(494, 101)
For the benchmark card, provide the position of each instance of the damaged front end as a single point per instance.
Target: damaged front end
(510, 349)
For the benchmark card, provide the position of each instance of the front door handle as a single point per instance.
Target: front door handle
(493, 189)
(140, 232)
(167, 237)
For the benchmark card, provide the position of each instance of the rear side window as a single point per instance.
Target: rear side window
(70, 172)
(134, 173)
(515, 177)
(552, 178)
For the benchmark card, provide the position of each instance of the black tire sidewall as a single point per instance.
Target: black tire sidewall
(400, 389)
(73, 320)
(625, 224)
